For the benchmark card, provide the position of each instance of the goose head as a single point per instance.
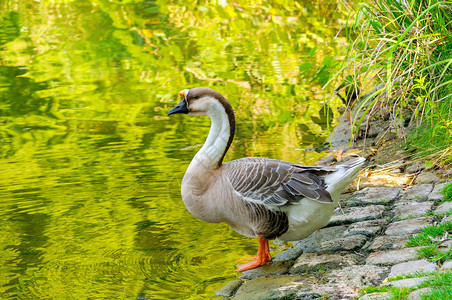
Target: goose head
(201, 101)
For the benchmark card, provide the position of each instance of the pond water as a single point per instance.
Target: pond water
(90, 164)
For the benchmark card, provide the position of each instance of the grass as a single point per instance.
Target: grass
(441, 283)
(431, 235)
(447, 192)
(407, 47)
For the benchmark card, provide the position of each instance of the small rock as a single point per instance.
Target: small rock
(273, 287)
(314, 262)
(447, 265)
(374, 195)
(376, 296)
(353, 277)
(367, 228)
(312, 242)
(426, 177)
(391, 257)
(352, 242)
(404, 210)
(444, 208)
(273, 268)
(407, 227)
(436, 194)
(385, 242)
(417, 294)
(229, 289)
(357, 214)
(417, 192)
(406, 283)
(412, 267)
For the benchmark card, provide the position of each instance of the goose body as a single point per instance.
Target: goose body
(258, 197)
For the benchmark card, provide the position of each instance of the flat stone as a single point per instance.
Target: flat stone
(288, 254)
(352, 242)
(409, 267)
(314, 262)
(411, 209)
(357, 276)
(385, 242)
(436, 194)
(368, 228)
(374, 195)
(447, 265)
(415, 168)
(273, 268)
(376, 296)
(274, 287)
(417, 294)
(445, 245)
(312, 242)
(417, 192)
(407, 227)
(391, 257)
(357, 214)
(229, 289)
(406, 283)
(444, 208)
(446, 219)
(426, 177)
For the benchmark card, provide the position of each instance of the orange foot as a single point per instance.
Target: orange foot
(263, 256)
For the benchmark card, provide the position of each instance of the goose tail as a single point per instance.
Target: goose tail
(337, 181)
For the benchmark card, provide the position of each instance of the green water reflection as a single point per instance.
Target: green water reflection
(90, 164)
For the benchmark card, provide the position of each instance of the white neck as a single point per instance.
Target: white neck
(211, 153)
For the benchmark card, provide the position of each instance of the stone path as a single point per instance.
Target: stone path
(362, 245)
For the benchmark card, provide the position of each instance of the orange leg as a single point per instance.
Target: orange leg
(263, 256)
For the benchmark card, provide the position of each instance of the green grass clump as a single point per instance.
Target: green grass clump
(406, 46)
(397, 293)
(431, 235)
(441, 282)
(432, 253)
(447, 192)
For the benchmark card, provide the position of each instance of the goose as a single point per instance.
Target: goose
(257, 197)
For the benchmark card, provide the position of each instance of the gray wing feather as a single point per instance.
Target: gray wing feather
(277, 183)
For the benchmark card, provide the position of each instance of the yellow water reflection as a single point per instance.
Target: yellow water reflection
(90, 166)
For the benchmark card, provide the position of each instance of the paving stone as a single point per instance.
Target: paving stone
(412, 267)
(407, 227)
(229, 289)
(445, 245)
(357, 276)
(313, 262)
(273, 268)
(274, 287)
(446, 219)
(287, 254)
(436, 195)
(392, 257)
(447, 265)
(444, 208)
(357, 214)
(374, 195)
(426, 177)
(406, 209)
(406, 283)
(367, 228)
(376, 296)
(312, 242)
(352, 242)
(417, 192)
(417, 294)
(385, 242)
